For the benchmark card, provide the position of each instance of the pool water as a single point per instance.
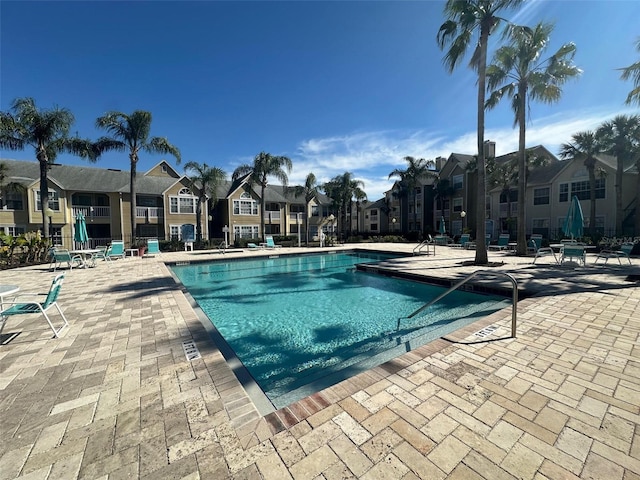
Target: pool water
(301, 323)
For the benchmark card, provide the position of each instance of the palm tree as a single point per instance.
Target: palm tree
(528, 77)
(264, 166)
(585, 146)
(342, 189)
(204, 181)
(504, 175)
(619, 137)
(464, 18)
(444, 190)
(633, 72)
(416, 171)
(131, 132)
(309, 190)
(47, 131)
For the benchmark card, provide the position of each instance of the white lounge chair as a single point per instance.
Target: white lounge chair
(539, 250)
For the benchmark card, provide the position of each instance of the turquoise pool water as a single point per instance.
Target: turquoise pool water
(301, 323)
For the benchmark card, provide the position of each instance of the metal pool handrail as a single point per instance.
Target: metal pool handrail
(420, 246)
(514, 308)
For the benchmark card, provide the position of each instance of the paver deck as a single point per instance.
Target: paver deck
(115, 396)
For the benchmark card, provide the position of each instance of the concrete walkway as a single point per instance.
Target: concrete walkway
(115, 396)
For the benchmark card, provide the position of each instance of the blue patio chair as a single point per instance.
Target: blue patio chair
(270, 243)
(624, 252)
(153, 247)
(539, 250)
(17, 307)
(253, 245)
(503, 242)
(116, 250)
(464, 240)
(571, 251)
(62, 255)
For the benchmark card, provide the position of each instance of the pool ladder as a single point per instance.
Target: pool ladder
(417, 250)
(514, 307)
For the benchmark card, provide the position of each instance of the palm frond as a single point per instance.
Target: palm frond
(162, 145)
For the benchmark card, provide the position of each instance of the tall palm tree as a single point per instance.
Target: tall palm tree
(131, 133)
(342, 189)
(464, 18)
(418, 169)
(528, 78)
(47, 131)
(264, 166)
(444, 190)
(504, 175)
(619, 137)
(204, 181)
(585, 146)
(309, 190)
(633, 72)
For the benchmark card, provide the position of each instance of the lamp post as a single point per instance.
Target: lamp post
(462, 215)
(225, 229)
(393, 223)
(49, 213)
(298, 222)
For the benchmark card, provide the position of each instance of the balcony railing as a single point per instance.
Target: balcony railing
(272, 215)
(88, 212)
(149, 212)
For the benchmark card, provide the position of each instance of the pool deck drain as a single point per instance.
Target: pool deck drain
(113, 396)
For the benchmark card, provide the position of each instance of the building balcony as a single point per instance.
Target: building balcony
(271, 216)
(89, 211)
(149, 212)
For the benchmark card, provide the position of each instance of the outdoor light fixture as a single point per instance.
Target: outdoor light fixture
(49, 213)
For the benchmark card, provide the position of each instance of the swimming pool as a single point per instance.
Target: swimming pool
(301, 323)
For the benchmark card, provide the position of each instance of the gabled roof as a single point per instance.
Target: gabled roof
(380, 203)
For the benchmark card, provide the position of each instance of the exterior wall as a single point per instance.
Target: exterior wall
(243, 222)
(163, 169)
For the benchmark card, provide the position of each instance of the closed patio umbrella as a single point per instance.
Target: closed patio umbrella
(80, 235)
(573, 225)
(443, 227)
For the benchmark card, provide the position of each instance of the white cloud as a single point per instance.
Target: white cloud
(371, 156)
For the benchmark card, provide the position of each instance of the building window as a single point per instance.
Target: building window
(564, 192)
(13, 230)
(246, 231)
(314, 210)
(581, 189)
(54, 201)
(374, 227)
(457, 204)
(245, 206)
(184, 203)
(272, 229)
(458, 182)
(296, 209)
(541, 196)
(374, 214)
(12, 201)
(513, 196)
(541, 226)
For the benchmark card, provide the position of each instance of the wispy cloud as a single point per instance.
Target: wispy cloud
(371, 156)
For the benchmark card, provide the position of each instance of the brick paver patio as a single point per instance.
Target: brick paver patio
(115, 397)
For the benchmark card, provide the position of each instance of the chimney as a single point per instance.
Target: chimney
(440, 161)
(489, 149)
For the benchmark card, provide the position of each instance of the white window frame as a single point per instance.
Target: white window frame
(241, 231)
(457, 182)
(179, 204)
(54, 200)
(13, 230)
(11, 198)
(457, 204)
(246, 204)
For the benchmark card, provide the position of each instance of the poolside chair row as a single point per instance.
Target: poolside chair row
(269, 243)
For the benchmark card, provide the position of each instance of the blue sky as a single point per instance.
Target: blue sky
(336, 86)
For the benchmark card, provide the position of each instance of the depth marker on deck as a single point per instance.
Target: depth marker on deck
(190, 350)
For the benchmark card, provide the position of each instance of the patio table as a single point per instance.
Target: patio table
(85, 254)
(5, 291)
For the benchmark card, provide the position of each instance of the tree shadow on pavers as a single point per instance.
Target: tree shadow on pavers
(145, 288)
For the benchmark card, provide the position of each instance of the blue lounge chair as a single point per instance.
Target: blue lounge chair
(270, 243)
(153, 247)
(17, 307)
(503, 242)
(116, 250)
(624, 252)
(253, 245)
(61, 255)
(571, 251)
(464, 240)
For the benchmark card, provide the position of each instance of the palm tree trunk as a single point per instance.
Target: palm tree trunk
(481, 247)
(132, 189)
(636, 227)
(262, 212)
(522, 174)
(43, 161)
(199, 221)
(619, 210)
(592, 196)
